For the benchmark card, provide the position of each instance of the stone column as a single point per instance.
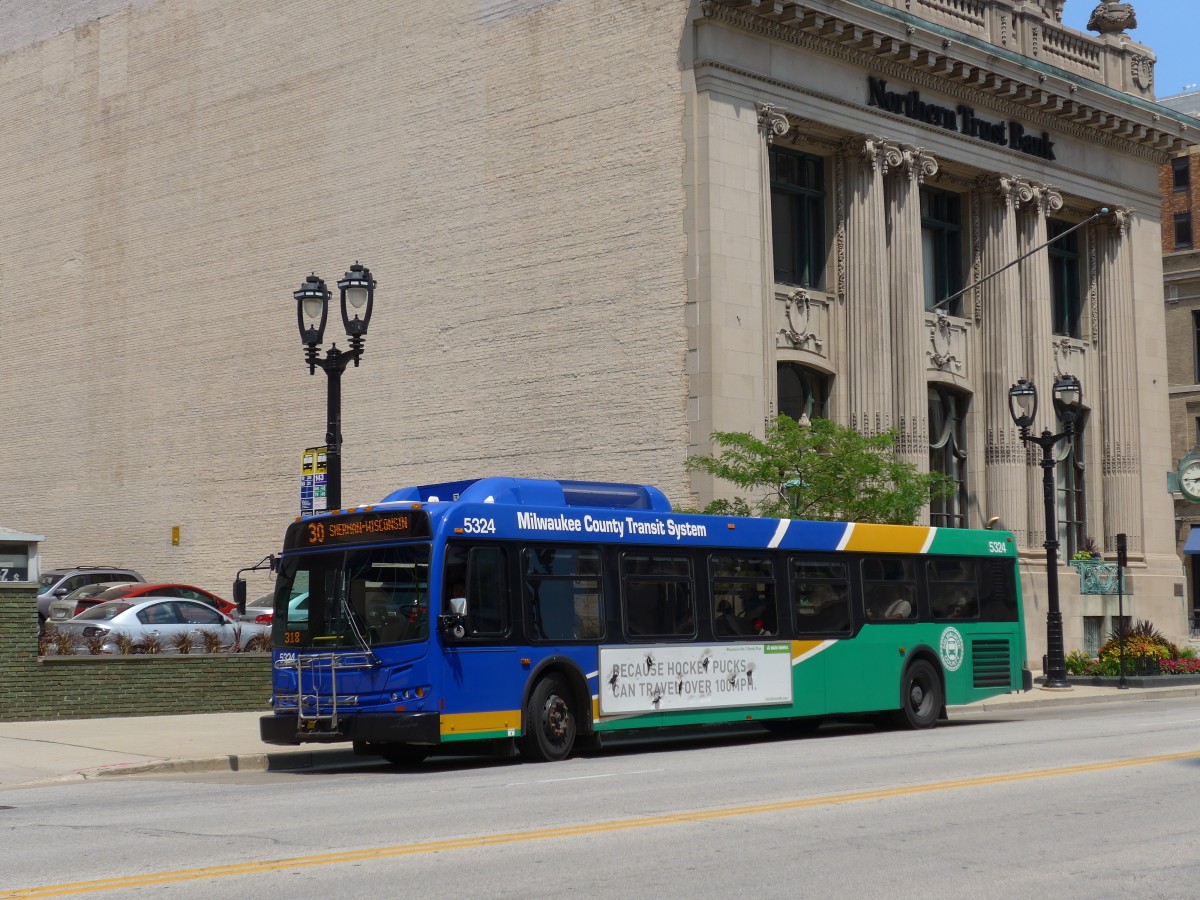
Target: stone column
(1001, 333)
(908, 167)
(869, 342)
(772, 123)
(1036, 303)
(1116, 396)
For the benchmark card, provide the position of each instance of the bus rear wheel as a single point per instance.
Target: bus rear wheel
(550, 725)
(920, 695)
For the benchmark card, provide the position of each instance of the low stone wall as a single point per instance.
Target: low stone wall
(88, 687)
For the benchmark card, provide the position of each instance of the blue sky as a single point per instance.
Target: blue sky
(1168, 27)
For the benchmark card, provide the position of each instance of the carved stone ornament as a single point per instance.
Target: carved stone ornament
(1046, 199)
(911, 162)
(1142, 70)
(797, 311)
(873, 152)
(1063, 351)
(1119, 218)
(1112, 17)
(772, 122)
(941, 337)
(1011, 190)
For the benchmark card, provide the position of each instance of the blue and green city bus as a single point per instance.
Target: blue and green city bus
(552, 612)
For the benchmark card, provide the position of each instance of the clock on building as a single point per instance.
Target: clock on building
(1189, 477)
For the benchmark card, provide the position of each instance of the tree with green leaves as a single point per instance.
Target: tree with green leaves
(818, 470)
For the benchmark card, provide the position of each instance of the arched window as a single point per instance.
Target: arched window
(802, 391)
(948, 454)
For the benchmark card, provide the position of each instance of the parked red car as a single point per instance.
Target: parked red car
(129, 591)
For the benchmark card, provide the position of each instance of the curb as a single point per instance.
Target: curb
(1069, 698)
(248, 762)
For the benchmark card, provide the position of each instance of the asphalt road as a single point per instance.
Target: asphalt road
(1086, 801)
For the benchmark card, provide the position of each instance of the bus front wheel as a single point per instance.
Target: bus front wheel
(550, 722)
(921, 696)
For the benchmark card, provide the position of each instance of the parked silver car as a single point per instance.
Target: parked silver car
(260, 610)
(165, 619)
(57, 583)
(63, 608)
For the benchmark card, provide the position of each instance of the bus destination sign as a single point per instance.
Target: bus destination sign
(357, 528)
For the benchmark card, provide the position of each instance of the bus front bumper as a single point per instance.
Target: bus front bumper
(375, 728)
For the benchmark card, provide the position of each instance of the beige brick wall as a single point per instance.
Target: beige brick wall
(510, 171)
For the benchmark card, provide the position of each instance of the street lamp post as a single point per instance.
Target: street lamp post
(357, 289)
(1022, 406)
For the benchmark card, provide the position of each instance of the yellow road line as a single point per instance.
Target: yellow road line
(542, 834)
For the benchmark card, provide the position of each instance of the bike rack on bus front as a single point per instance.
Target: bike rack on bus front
(313, 664)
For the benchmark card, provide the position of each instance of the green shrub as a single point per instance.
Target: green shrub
(1079, 663)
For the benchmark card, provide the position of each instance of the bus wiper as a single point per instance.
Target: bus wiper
(352, 618)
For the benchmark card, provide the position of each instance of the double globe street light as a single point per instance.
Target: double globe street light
(357, 289)
(1022, 406)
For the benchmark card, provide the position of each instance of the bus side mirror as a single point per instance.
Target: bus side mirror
(239, 595)
(454, 624)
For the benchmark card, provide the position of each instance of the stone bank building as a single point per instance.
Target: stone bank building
(602, 231)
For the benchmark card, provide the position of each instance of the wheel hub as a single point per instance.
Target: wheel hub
(917, 696)
(556, 717)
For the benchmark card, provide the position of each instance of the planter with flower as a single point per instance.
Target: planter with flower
(1095, 575)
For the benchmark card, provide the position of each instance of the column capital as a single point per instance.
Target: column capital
(871, 150)
(1045, 199)
(905, 160)
(1009, 189)
(772, 121)
(1118, 220)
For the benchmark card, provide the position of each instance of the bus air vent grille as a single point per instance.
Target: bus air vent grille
(991, 663)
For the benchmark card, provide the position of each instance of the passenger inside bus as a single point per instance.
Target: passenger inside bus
(889, 602)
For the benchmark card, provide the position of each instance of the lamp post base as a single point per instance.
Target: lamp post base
(1055, 687)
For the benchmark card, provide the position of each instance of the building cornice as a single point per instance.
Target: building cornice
(824, 137)
(922, 55)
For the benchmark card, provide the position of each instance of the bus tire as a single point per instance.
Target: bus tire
(550, 722)
(920, 696)
(403, 754)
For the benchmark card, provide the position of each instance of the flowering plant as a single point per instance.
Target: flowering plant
(1180, 666)
(1089, 550)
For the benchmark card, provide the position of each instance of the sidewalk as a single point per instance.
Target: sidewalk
(34, 753)
(75, 749)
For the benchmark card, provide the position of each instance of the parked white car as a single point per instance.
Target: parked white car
(166, 619)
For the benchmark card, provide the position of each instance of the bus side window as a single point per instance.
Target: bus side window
(479, 575)
(889, 588)
(486, 593)
(743, 596)
(820, 595)
(953, 588)
(563, 593)
(659, 602)
(999, 592)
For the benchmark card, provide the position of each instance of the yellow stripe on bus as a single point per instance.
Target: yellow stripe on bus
(475, 723)
(888, 538)
(804, 649)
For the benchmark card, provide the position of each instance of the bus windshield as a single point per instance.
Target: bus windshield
(355, 597)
